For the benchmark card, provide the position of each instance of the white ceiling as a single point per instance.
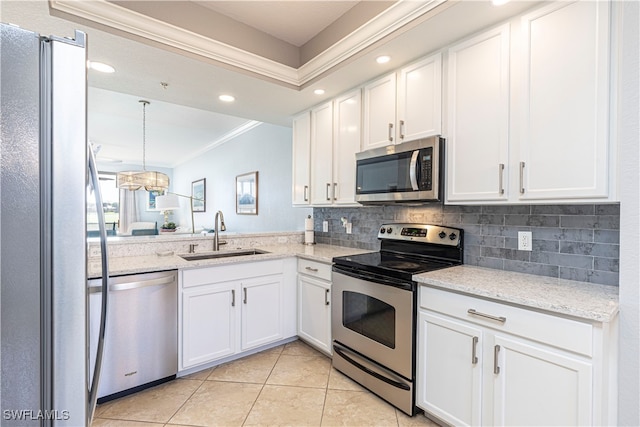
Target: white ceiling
(186, 117)
(295, 22)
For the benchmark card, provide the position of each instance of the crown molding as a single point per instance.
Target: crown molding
(120, 18)
(232, 134)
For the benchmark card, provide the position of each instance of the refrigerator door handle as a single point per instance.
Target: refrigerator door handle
(93, 390)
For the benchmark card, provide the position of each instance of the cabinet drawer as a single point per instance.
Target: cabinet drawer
(545, 328)
(315, 269)
(224, 273)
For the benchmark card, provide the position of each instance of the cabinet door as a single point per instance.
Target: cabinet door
(322, 155)
(449, 374)
(346, 143)
(379, 112)
(209, 323)
(301, 158)
(314, 312)
(419, 107)
(478, 118)
(565, 102)
(262, 318)
(538, 386)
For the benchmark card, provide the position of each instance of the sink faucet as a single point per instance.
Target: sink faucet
(216, 237)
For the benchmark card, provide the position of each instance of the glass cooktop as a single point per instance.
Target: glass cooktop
(391, 264)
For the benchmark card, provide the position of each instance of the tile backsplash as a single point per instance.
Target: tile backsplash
(576, 242)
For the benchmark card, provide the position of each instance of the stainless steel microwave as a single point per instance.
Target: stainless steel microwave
(405, 173)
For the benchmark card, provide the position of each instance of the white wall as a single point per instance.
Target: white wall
(266, 149)
(629, 176)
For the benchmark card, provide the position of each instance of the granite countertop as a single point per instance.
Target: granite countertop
(171, 261)
(578, 299)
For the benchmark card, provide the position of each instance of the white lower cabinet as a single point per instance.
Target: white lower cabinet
(228, 310)
(314, 304)
(486, 363)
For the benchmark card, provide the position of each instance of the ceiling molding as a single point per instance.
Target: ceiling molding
(120, 18)
(244, 128)
(392, 19)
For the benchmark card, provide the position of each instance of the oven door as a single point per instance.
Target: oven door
(374, 317)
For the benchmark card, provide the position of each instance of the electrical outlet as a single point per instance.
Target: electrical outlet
(524, 241)
(348, 227)
(325, 226)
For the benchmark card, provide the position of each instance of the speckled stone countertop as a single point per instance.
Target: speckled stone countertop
(172, 261)
(578, 299)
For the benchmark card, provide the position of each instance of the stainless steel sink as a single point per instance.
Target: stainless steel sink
(224, 254)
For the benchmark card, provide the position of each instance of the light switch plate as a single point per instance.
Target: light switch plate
(524, 241)
(325, 226)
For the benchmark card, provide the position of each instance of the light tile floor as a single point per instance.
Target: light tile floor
(291, 385)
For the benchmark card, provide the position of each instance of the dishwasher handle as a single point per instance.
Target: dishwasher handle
(135, 284)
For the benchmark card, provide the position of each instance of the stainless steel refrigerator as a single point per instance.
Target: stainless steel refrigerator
(44, 172)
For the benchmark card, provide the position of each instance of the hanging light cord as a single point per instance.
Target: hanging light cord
(144, 134)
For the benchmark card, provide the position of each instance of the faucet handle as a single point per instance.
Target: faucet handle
(192, 247)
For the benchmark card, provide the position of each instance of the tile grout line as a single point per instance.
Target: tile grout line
(262, 388)
(189, 398)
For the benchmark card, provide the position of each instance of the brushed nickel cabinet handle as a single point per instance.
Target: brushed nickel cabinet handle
(335, 191)
(306, 190)
(315, 270)
(401, 129)
(488, 316)
(233, 297)
(501, 178)
(245, 295)
(474, 356)
(521, 177)
(326, 297)
(496, 368)
(328, 189)
(390, 132)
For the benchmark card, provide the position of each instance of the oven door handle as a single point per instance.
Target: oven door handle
(375, 279)
(389, 381)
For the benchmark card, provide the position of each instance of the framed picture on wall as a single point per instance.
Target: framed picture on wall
(151, 200)
(247, 194)
(199, 194)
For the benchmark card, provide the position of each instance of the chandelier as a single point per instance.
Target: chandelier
(149, 180)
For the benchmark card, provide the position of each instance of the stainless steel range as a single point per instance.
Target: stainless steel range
(374, 303)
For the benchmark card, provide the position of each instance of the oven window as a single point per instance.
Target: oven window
(370, 317)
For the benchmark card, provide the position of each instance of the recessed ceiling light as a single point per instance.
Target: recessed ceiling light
(499, 2)
(226, 98)
(100, 66)
(383, 59)
(319, 91)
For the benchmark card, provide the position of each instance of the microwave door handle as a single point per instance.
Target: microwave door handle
(413, 170)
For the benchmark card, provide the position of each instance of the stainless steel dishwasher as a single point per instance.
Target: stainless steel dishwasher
(141, 340)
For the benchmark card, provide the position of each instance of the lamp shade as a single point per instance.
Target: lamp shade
(167, 202)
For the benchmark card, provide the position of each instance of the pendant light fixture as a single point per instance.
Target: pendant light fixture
(149, 180)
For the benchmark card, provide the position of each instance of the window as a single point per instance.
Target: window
(110, 204)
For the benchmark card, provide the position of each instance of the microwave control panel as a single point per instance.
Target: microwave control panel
(426, 169)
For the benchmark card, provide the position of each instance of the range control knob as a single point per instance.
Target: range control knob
(389, 230)
(382, 230)
(452, 236)
(442, 235)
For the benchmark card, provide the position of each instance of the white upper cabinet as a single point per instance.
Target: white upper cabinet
(325, 142)
(301, 159)
(565, 102)
(404, 106)
(419, 104)
(528, 109)
(347, 139)
(379, 112)
(478, 120)
(321, 154)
